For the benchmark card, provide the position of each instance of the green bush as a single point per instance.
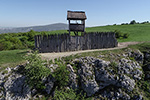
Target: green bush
(11, 41)
(31, 35)
(114, 66)
(44, 33)
(67, 94)
(6, 45)
(125, 35)
(23, 38)
(61, 75)
(36, 70)
(118, 34)
(1, 46)
(64, 94)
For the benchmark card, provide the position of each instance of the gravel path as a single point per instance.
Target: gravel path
(52, 56)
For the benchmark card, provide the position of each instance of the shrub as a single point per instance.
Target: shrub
(67, 94)
(114, 66)
(1, 46)
(117, 34)
(30, 44)
(64, 94)
(125, 35)
(6, 45)
(31, 35)
(61, 75)
(24, 38)
(132, 58)
(36, 70)
(44, 33)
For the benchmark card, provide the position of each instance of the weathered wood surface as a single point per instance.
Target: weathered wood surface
(77, 27)
(65, 42)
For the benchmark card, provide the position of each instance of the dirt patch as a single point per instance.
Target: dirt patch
(51, 56)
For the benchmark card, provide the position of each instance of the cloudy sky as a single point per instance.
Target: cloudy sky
(20, 13)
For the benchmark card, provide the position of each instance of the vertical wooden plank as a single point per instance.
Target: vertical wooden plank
(35, 42)
(69, 26)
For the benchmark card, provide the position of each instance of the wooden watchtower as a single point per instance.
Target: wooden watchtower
(76, 21)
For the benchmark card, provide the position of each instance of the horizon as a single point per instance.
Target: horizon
(30, 13)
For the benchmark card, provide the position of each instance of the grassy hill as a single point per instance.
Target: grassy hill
(137, 32)
(11, 58)
(13, 41)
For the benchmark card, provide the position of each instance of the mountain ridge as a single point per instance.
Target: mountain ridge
(50, 27)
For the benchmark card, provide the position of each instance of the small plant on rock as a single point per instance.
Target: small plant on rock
(68, 94)
(114, 66)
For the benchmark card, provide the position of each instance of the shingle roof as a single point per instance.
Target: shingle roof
(76, 15)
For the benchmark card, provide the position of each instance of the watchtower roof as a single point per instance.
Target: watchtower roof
(76, 15)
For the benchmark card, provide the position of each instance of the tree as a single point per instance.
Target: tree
(31, 35)
(133, 22)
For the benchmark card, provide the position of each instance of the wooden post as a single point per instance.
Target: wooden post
(35, 39)
(69, 26)
(83, 25)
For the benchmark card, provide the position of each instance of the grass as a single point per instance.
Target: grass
(11, 58)
(142, 46)
(137, 32)
(110, 55)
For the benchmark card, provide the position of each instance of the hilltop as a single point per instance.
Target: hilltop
(137, 32)
(109, 74)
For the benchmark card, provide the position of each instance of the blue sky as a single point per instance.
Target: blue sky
(20, 13)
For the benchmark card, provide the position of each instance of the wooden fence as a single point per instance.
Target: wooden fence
(65, 42)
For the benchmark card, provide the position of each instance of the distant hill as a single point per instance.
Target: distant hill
(51, 27)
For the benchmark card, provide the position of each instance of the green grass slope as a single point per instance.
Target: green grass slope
(11, 58)
(137, 32)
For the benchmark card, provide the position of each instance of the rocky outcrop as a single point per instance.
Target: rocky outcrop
(49, 84)
(96, 74)
(87, 77)
(73, 77)
(13, 86)
(101, 79)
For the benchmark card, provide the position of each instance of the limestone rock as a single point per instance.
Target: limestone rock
(138, 56)
(126, 82)
(49, 84)
(87, 78)
(103, 77)
(72, 77)
(16, 88)
(96, 74)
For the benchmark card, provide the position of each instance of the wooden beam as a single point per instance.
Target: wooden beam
(69, 27)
